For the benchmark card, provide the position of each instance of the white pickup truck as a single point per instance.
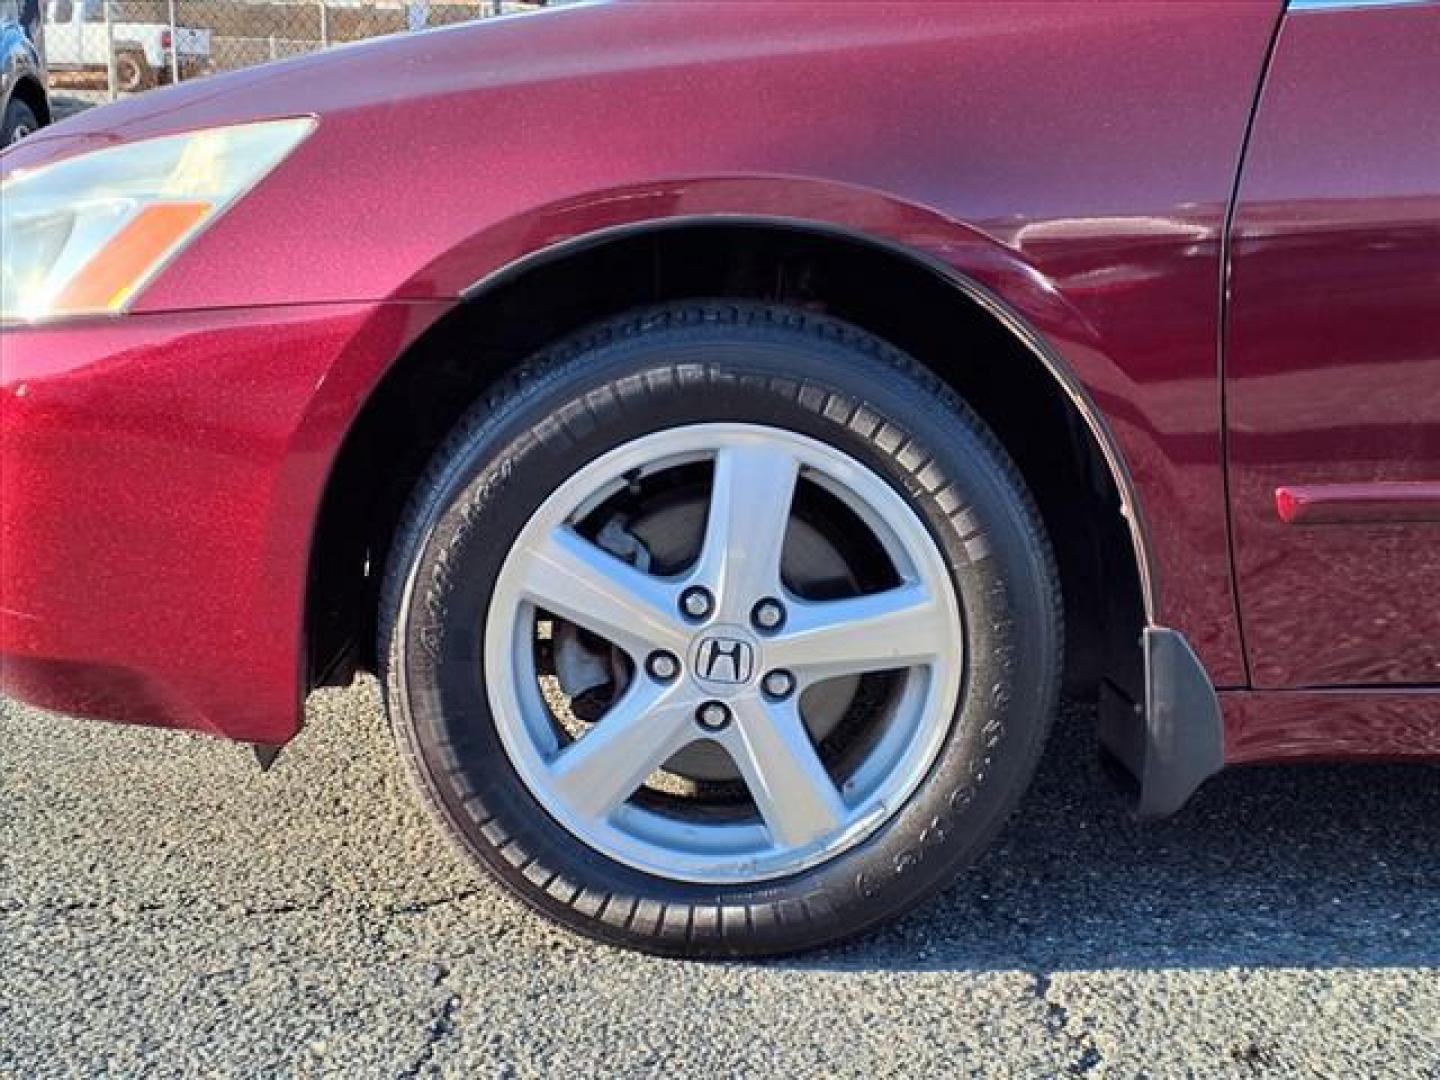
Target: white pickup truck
(78, 38)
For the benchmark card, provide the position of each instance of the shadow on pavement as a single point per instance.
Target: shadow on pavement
(1302, 866)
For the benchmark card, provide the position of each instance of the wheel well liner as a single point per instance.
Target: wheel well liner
(30, 91)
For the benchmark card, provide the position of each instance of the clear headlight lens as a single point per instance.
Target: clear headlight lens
(83, 236)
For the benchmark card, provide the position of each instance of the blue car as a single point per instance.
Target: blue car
(23, 102)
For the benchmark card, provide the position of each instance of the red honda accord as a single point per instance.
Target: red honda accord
(725, 427)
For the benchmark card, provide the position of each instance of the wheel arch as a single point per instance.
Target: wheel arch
(968, 286)
(28, 90)
(506, 314)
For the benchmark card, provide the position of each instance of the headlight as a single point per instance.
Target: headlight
(83, 236)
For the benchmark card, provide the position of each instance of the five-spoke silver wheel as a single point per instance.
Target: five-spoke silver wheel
(723, 717)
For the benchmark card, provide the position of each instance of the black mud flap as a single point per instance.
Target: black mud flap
(1173, 741)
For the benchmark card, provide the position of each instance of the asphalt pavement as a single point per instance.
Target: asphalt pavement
(168, 910)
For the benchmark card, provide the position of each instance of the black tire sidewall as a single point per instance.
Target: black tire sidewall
(760, 366)
(16, 113)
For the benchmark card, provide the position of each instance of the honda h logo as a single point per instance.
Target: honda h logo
(725, 660)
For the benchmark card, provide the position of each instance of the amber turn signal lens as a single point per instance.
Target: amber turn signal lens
(106, 281)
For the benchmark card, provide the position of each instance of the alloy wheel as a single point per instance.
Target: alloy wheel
(715, 716)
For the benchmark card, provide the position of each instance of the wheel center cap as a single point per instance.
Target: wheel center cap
(724, 659)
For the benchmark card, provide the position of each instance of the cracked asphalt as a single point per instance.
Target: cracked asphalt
(167, 910)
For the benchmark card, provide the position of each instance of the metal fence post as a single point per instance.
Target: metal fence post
(174, 45)
(109, 52)
(324, 25)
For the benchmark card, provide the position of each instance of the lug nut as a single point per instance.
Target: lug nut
(662, 666)
(768, 615)
(779, 684)
(713, 716)
(697, 602)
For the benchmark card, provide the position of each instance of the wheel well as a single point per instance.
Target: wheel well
(889, 294)
(32, 94)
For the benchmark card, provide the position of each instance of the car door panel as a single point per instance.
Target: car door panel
(1333, 353)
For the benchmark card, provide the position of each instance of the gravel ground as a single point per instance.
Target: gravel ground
(165, 909)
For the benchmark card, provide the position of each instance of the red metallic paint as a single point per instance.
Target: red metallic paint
(1333, 357)
(1308, 725)
(162, 471)
(161, 476)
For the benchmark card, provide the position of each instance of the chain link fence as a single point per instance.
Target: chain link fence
(100, 50)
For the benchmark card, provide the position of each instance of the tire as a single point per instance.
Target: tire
(782, 382)
(133, 72)
(19, 121)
